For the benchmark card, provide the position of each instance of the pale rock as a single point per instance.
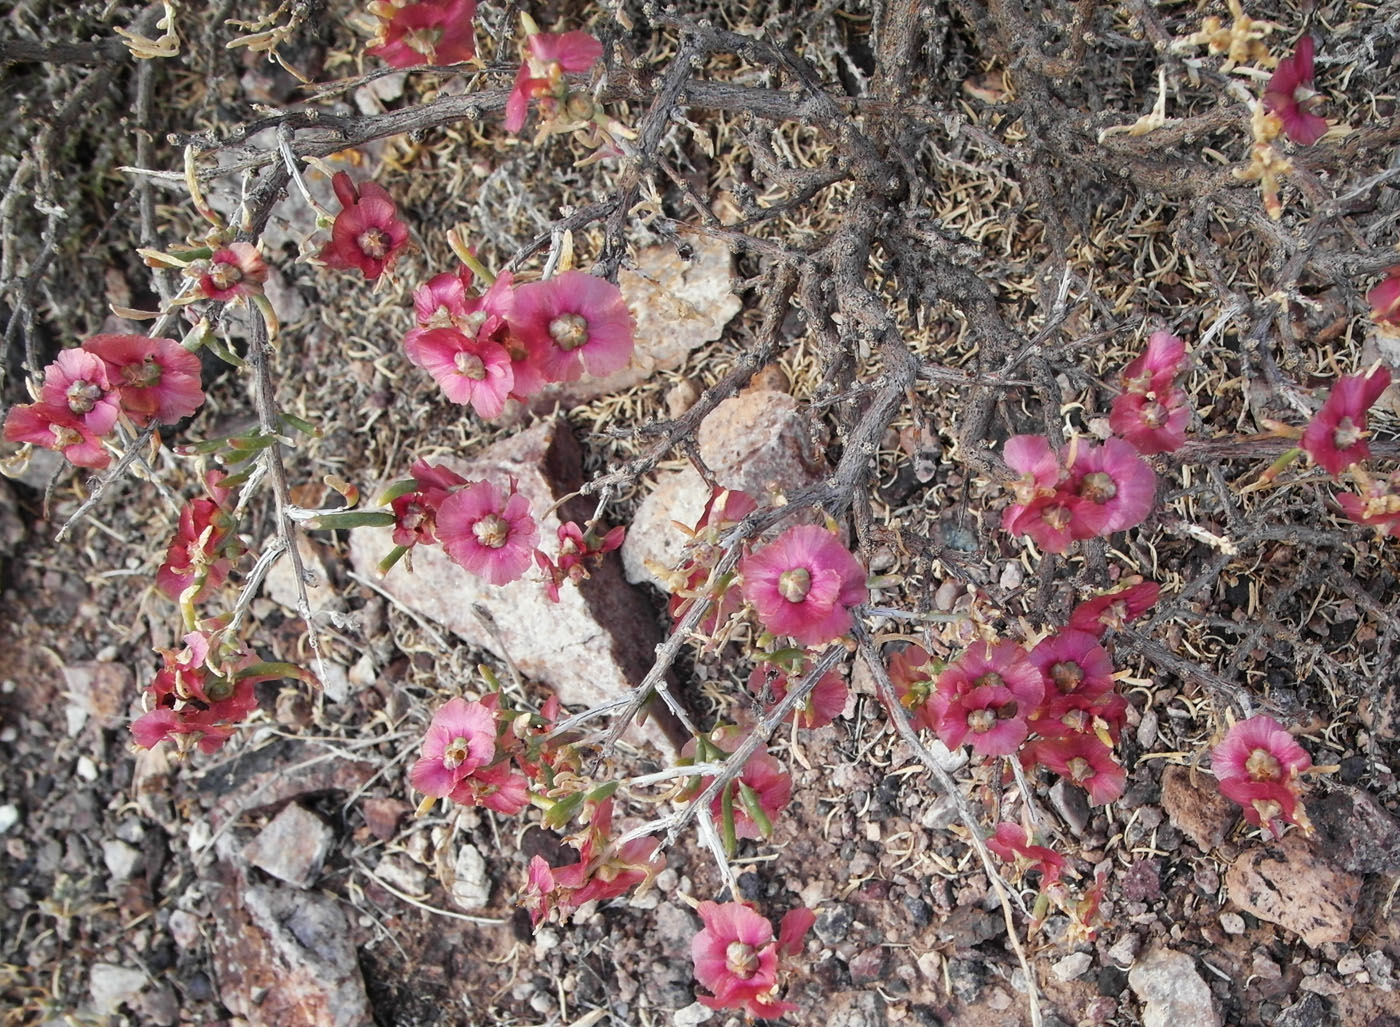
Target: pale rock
(293, 846)
(112, 986)
(371, 97)
(854, 1009)
(9, 817)
(1195, 806)
(760, 440)
(120, 858)
(692, 1014)
(295, 952)
(101, 691)
(335, 682)
(1171, 991)
(398, 871)
(654, 544)
(471, 887)
(184, 929)
(43, 464)
(1072, 966)
(1232, 923)
(590, 647)
(86, 769)
(1292, 884)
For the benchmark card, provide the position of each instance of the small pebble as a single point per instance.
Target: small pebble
(1232, 923)
(9, 816)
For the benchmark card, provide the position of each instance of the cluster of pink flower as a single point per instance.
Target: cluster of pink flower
(747, 806)
(1335, 439)
(1013, 844)
(739, 960)
(416, 32)
(996, 696)
(1257, 765)
(88, 389)
(510, 340)
(487, 532)
(1089, 490)
(205, 545)
(604, 869)
(802, 585)
(479, 754)
(204, 691)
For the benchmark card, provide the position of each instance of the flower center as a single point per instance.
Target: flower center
(425, 40)
(83, 396)
(374, 242)
(1066, 675)
(471, 324)
(64, 436)
(1076, 720)
(1057, 517)
(991, 679)
(224, 275)
(1080, 769)
(491, 531)
(569, 331)
(456, 752)
(793, 585)
(469, 365)
(1347, 434)
(218, 688)
(1098, 487)
(741, 960)
(1154, 415)
(981, 721)
(1262, 765)
(145, 375)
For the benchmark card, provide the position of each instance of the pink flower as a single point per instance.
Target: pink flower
(498, 788)
(1377, 505)
(986, 697)
(416, 512)
(736, 956)
(1336, 436)
(1011, 843)
(367, 233)
(576, 551)
(1384, 299)
(1073, 663)
(1288, 93)
(204, 547)
(490, 535)
(1258, 749)
(441, 302)
(1257, 765)
(765, 777)
(158, 379)
(235, 270)
(541, 75)
(1037, 463)
(1048, 520)
(577, 322)
(1155, 368)
(1113, 488)
(78, 381)
(724, 509)
(1151, 424)
(424, 32)
(1114, 609)
(803, 585)
(1084, 760)
(824, 703)
(469, 370)
(461, 738)
(57, 428)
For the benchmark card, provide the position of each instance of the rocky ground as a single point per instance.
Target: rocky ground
(285, 879)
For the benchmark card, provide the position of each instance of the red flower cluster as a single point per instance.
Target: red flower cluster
(367, 233)
(86, 390)
(737, 958)
(202, 693)
(204, 547)
(723, 510)
(1054, 706)
(1289, 93)
(511, 340)
(478, 754)
(1257, 765)
(237, 269)
(752, 801)
(1150, 412)
(416, 32)
(1087, 491)
(1012, 844)
(604, 870)
(824, 703)
(541, 75)
(577, 550)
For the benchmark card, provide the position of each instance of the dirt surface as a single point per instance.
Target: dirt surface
(1022, 257)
